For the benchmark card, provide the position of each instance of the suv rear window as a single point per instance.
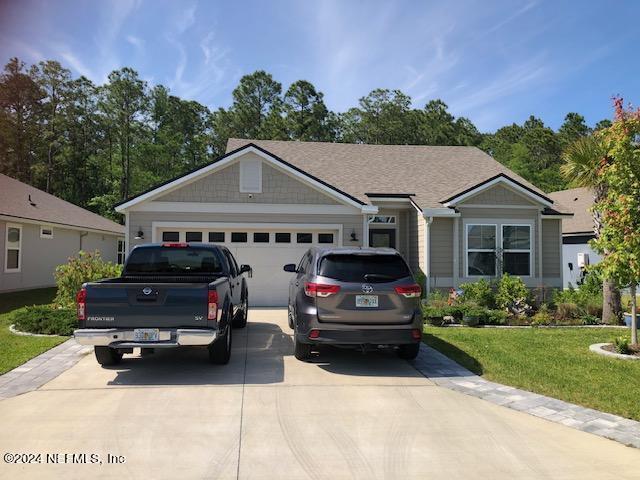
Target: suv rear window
(364, 268)
(173, 260)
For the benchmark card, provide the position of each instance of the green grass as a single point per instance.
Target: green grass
(14, 349)
(554, 362)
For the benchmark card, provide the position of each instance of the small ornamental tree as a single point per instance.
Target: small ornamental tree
(620, 208)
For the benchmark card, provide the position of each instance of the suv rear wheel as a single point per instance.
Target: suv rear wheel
(302, 351)
(409, 352)
(107, 356)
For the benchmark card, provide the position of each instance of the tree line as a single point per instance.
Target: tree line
(94, 145)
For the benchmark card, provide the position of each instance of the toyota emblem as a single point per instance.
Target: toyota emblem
(366, 288)
(147, 290)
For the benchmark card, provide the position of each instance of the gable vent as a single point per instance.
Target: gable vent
(251, 176)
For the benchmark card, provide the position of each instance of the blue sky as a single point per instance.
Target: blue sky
(495, 62)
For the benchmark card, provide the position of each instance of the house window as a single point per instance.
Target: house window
(261, 237)
(194, 236)
(46, 232)
(481, 250)
(325, 238)
(383, 219)
(13, 248)
(283, 237)
(516, 249)
(304, 237)
(216, 237)
(251, 176)
(170, 236)
(238, 237)
(120, 252)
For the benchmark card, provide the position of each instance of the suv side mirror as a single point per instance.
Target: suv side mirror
(290, 267)
(246, 269)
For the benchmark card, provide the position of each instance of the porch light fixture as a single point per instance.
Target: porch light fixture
(139, 235)
(354, 236)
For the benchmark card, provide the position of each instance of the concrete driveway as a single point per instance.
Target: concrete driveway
(267, 415)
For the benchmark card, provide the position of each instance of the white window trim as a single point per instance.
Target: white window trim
(498, 224)
(515, 250)
(467, 250)
(243, 163)
(44, 235)
(6, 248)
(123, 252)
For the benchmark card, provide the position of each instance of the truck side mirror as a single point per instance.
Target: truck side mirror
(290, 267)
(246, 269)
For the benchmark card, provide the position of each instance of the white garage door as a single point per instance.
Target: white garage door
(267, 250)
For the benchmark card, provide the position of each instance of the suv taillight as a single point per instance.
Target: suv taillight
(409, 291)
(81, 304)
(212, 305)
(320, 289)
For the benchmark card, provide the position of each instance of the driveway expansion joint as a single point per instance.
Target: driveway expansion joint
(446, 373)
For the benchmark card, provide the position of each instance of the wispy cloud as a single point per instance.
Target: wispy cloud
(137, 42)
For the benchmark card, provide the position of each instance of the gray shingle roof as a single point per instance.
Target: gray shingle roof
(578, 201)
(14, 202)
(433, 173)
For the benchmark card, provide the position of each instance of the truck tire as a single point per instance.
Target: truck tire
(409, 351)
(107, 356)
(240, 321)
(302, 351)
(220, 350)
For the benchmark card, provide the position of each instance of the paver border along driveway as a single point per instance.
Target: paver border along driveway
(267, 415)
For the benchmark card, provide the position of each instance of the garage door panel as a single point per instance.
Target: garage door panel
(267, 250)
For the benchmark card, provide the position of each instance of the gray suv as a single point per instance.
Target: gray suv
(354, 296)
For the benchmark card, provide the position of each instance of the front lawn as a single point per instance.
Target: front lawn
(554, 362)
(15, 349)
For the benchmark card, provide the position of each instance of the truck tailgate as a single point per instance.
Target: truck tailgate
(156, 305)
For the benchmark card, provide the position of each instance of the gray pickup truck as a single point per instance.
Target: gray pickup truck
(169, 295)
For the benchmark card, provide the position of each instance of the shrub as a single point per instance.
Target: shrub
(85, 267)
(542, 316)
(621, 345)
(45, 319)
(421, 280)
(566, 312)
(495, 317)
(480, 292)
(512, 294)
(590, 320)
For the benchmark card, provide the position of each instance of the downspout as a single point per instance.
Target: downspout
(427, 267)
(82, 235)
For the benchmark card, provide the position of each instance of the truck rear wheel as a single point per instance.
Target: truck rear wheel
(220, 350)
(409, 351)
(107, 356)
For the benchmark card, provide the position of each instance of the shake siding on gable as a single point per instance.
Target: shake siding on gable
(498, 195)
(223, 187)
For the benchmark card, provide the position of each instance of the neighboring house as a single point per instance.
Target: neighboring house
(453, 212)
(38, 232)
(576, 233)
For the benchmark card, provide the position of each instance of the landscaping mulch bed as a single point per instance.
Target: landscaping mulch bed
(635, 349)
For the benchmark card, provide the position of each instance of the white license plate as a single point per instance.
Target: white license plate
(367, 301)
(146, 334)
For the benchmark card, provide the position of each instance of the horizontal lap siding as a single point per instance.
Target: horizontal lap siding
(441, 247)
(143, 221)
(551, 251)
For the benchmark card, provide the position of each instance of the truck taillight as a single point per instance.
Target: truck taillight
(212, 305)
(81, 302)
(320, 289)
(409, 291)
(176, 244)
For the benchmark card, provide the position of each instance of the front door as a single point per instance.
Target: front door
(382, 237)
